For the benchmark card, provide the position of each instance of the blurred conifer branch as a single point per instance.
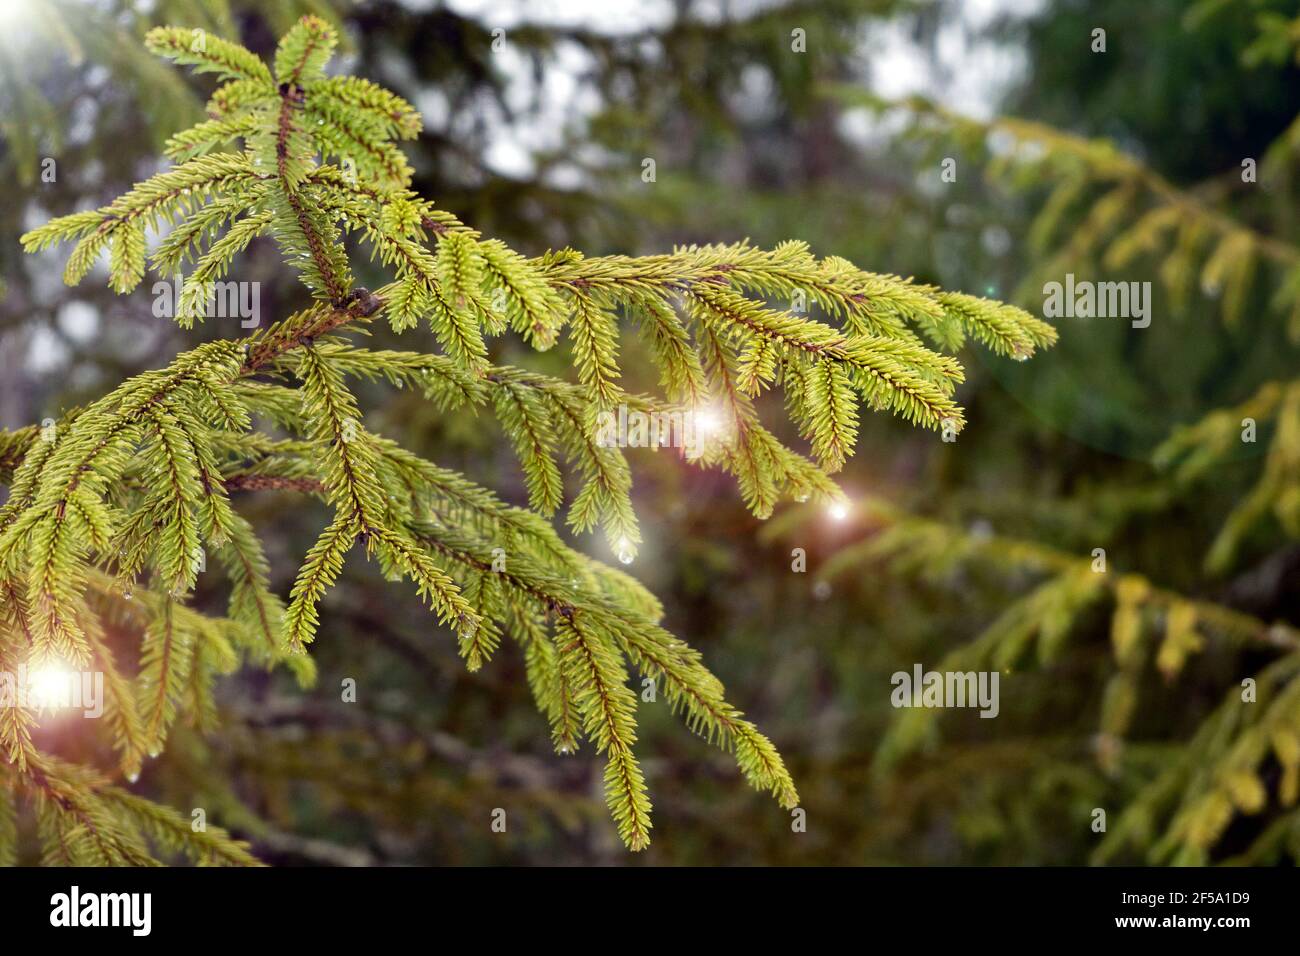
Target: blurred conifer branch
(1106, 207)
(1192, 451)
(1223, 769)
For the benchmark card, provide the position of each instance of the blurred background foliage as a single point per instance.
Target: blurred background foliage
(538, 117)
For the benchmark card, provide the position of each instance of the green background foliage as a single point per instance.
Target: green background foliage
(1119, 692)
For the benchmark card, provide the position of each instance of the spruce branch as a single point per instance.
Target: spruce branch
(109, 517)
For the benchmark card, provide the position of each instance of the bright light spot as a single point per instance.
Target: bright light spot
(16, 12)
(708, 421)
(50, 685)
(78, 320)
(704, 425)
(838, 511)
(46, 352)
